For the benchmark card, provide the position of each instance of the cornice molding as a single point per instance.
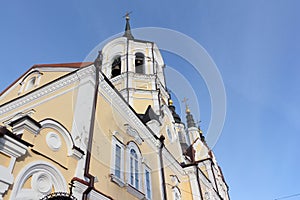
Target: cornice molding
(47, 89)
(12, 147)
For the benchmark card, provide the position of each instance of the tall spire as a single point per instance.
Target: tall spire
(127, 32)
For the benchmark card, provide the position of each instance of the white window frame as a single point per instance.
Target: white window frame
(119, 180)
(133, 146)
(176, 191)
(25, 83)
(147, 169)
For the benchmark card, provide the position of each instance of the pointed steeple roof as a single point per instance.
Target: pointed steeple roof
(127, 32)
(189, 118)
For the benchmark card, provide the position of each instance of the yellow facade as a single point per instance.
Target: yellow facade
(111, 137)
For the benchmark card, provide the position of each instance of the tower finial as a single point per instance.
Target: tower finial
(187, 110)
(127, 27)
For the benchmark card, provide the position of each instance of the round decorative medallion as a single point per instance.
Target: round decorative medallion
(41, 182)
(53, 141)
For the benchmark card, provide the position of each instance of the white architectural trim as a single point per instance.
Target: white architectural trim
(119, 180)
(191, 172)
(137, 193)
(82, 116)
(19, 115)
(154, 125)
(44, 177)
(133, 133)
(35, 103)
(53, 141)
(48, 89)
(57, 69)
(48, 123)
(147, 169)
(176, 193)
(167, 113)
(14, 149)
(132, 145)
(78, 189)
(94, 195)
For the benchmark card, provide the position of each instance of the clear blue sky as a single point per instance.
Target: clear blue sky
(255, 44)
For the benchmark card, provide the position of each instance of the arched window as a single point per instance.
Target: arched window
(43, 177)
(31, 83)
(134, 169)
(139, 63)
(176, 193)
(116, 66)
(134, 165)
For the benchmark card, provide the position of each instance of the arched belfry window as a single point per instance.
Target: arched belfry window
(139, 63)
(116, 66)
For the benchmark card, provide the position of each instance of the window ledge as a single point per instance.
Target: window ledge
(135, 192)
(117, 180)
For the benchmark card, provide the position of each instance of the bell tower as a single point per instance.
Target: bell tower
(136, 69)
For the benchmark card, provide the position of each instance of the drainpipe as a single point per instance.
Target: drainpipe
(97, 64)
(161, 139)
(198, 181)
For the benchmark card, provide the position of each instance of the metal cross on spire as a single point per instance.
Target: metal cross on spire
(127, 15)
(185, 100)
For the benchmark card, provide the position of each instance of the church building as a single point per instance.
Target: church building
(103, 130)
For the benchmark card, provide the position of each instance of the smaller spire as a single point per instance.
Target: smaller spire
(174, 114)
(189, 117)
(127, 32)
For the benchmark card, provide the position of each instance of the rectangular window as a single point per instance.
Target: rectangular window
(131, 171)
(148, 189)
(136, 175)
(118, 161)
(148, 184)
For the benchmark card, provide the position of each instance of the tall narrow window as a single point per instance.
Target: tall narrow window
(116, 67)
(148, 191)
(139, 63)
(118, 161)
(134, 169)
(176, 193)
